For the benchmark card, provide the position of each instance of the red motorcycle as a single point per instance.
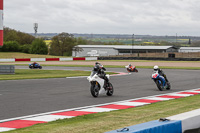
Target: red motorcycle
(131, 68)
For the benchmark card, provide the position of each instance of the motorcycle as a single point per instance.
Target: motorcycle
(133, 69)
(32, 66)
(160, 81)
(97, 85)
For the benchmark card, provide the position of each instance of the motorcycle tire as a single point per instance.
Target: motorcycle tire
(160, 87)
(40, 67)
(128, 70)
(110, 89)
(136, 70)
(30, 67)
(94, 89)
(168, 86)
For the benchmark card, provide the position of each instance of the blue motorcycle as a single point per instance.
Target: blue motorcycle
(160, 81)
(35, 66)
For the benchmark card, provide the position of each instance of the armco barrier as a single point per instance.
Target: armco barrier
(38, 59)
(7, 60)
(79, 58)
(190, 120)
(48, 59)
(152, 127)
(52, 59)
(66, 59)
(23, 59)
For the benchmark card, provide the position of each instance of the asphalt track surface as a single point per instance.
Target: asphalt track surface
(27, 97)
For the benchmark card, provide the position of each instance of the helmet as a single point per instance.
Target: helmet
(96, 67)
(155, 67)
(129, 64)
(97, 63)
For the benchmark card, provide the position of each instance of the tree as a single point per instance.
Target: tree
(62, 44)
(10, 46)
(39, 47)
(20, 37)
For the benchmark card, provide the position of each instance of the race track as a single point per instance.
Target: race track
(27, 97)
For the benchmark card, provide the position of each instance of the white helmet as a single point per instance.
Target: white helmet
(155, 67)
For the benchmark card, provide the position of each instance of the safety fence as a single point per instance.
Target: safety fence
(7, 69)
(49, 59)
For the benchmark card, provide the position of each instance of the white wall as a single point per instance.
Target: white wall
(101, 52)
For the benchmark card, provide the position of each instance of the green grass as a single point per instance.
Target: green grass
(122, 66)
(107, 121)
(39, 74)
(4, 55)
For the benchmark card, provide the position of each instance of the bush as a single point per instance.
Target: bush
(39, 47)
(25, 48)
(10, 46)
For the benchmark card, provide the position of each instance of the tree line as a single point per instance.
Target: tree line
(61, 45)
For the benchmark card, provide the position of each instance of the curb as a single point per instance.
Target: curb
(26, 121)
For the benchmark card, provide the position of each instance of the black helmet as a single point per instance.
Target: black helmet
(96, 67)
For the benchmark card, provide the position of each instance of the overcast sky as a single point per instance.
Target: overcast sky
(139, 17)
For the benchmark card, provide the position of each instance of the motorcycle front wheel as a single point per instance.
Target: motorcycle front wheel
(94, 89)
(110, 89)
(159, 85)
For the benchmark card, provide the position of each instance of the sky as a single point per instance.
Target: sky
(139, 17)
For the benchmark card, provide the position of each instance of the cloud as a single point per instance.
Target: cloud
(156, 17)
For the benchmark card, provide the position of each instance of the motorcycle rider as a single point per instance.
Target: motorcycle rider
(34, 64)
(157, 69)
(130, 66)
(100, 71)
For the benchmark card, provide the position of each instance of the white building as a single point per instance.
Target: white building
(107, 50)
(189, 49)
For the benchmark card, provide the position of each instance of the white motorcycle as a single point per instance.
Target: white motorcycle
(97, 85)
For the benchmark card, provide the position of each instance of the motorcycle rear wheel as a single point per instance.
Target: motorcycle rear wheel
(110, 89)
(168, 86)
(94, 89)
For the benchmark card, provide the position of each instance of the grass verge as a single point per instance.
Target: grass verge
(120, 66)
(39, 74)
(107, 121)
(4, 55)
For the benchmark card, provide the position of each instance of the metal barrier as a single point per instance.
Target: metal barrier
(7, 69)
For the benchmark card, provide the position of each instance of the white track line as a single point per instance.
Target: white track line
(155, 97)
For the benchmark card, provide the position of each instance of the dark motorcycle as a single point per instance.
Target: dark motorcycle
(35, 66)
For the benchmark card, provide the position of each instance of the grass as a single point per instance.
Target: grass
(5, 55)
(107, 121)
(39, 74)
(122, 66)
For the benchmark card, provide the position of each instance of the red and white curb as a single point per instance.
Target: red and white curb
(26, 121)
(49, 59)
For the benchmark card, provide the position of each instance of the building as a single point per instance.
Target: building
(189, 49)
(107, 50)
